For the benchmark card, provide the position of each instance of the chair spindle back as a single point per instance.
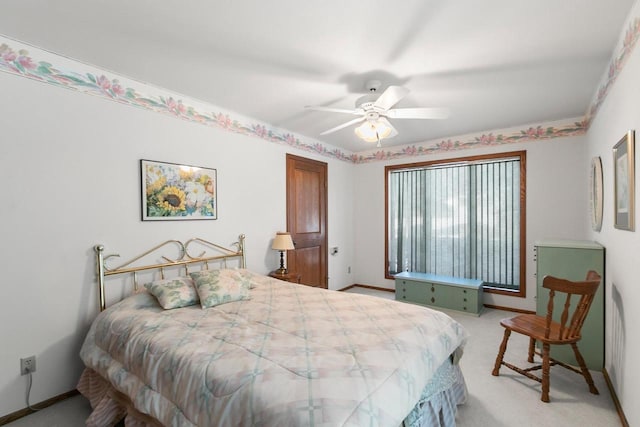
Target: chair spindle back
(585, 291)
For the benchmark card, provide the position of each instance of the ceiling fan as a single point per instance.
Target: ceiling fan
(374, 110)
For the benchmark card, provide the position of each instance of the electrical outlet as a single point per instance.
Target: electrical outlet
(27, 365)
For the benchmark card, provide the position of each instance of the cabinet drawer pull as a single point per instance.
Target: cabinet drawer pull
(464, 291)
(404, 297)
(433, 300)
(433, 289)
(465, 300)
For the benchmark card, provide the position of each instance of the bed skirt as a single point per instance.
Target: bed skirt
(437, 406)
(439, 401)
(109, 405)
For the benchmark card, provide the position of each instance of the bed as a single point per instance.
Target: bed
(279, 354)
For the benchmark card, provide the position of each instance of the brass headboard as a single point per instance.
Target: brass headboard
(185, 259)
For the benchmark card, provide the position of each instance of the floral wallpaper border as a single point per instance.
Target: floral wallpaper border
(34, 63)
(623, 51)
(37, 64)
(557, 129)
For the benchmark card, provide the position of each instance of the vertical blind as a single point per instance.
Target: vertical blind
(459, 220)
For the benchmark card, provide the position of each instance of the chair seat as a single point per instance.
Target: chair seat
(534, 327)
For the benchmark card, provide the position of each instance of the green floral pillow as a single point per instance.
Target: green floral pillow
(174, 293)
(217, 287)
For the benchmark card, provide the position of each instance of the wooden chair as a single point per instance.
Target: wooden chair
(551, 332)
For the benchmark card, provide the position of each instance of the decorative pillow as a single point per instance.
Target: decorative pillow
(217, 287)
(247, 275)
(174, 293)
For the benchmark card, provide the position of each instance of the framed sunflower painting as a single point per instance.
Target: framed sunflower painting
(177, 192)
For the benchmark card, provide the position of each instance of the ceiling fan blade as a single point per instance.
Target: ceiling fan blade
(390, 97)
(342, 126)
(418, 113)
(335, 110)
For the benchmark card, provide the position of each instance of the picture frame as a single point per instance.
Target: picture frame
(596, 193)
(177, 192)
(624, 182)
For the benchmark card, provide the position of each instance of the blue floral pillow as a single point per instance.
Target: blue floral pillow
(217, 287)
(174, 293)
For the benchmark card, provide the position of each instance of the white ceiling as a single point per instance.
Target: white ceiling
(494, 63)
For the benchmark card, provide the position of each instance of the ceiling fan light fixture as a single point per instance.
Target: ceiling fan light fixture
(373, 131)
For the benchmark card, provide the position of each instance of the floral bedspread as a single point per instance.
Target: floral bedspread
(290, 355)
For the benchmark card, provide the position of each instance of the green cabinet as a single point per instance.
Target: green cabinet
(433, 290)
(569, 259)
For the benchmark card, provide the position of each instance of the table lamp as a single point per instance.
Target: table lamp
(282, 242)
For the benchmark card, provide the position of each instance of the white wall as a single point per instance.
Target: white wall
(619, 113)
(69, 167)
(557, 194)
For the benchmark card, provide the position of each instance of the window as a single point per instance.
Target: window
(461, 217)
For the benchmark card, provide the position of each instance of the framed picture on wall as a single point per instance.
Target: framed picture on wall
(624, 180)
(595, 193)
(173, 191)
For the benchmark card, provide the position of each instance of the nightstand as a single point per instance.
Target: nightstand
(289, 277)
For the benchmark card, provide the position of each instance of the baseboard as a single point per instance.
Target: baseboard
(41, 405)
(614, 396)
(515, 310)
(357, 285)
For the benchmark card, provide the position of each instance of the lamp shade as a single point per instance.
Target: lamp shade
(282, 242)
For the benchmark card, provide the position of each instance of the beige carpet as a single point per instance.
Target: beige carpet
(507, 400)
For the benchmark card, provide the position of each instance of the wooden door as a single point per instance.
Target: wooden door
(307, 219)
